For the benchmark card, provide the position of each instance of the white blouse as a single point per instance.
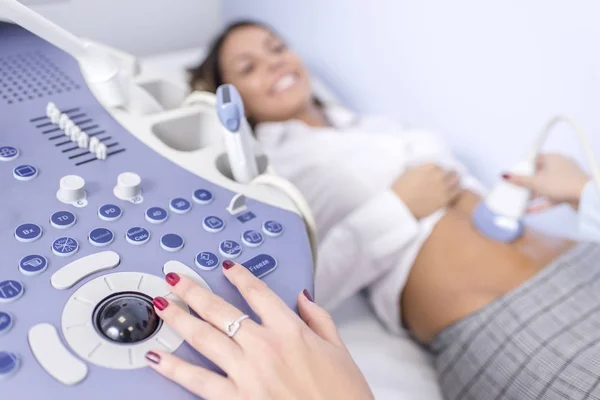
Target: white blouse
(368, 239)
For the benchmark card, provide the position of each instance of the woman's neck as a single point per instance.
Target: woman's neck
(314, 116)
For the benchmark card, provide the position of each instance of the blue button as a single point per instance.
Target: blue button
(252, 238)
(137, 235)
(207, 261)
(180, 205)
(203, 196)
(8, 153)
(273, 228)
(9, 363)
(33, 264)
(261, 265)
(25, 172)
(63, 219)
(171, 242)
(10, 291)
(230, 249)
(245, 217)
(213, 224)
(156, 215)
(6, 322)
(101, 237)
(28, 233)
(65, 246)
(110, 212)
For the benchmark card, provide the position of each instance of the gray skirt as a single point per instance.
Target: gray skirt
(540, 341)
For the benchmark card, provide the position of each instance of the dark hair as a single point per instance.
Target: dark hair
(208, 76)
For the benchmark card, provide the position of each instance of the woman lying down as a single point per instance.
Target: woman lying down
(393, 209)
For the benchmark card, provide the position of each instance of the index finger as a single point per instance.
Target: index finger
(266, 304)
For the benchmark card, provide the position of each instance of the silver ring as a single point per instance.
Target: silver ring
(234, 326)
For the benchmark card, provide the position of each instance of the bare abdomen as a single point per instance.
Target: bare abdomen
(458, 271)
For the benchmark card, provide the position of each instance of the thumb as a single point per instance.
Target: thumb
(318, 320)
(520, 180)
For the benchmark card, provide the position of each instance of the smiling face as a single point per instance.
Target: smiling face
(270, 78)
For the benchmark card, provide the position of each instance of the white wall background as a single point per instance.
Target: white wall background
(487, 75)
(141, 27)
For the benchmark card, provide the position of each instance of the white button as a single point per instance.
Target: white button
(25, 173)
(63, 219)
(171, 242)
(129, 185)
(213, 224)
(6, 322)
(62, 121)
(272, 228)
(33, 265)
(28, 232)
(8, 153)
(101, 237)
(50, 109)
(9, 364)
(70, 274)
(180, 206)
(137, 235)
(68, 126)
(109, 212)
(101, 151)
(202, 196)
(252, 238)
(182, 269)
(83, 140)
(65, 246)
(72, 189)
(156, 215)
(94, 142)
(73, 133)
(53, 357)
(11, 291)
(55, 116)
(76, 133)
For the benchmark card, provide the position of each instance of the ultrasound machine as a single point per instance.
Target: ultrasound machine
(107, 184)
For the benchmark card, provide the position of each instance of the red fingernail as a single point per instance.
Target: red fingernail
(172, 278)
(506, 176)
(307, 295)
(153, 357)
(228, 264)
(160, 303)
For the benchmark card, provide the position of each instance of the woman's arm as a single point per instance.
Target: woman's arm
(428, 147)
(558, 180)
(286, 357)
(373, 238)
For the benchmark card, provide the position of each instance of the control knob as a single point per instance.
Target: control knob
(129, 185)
(71, 190)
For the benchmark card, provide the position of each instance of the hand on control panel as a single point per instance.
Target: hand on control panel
(287, 357)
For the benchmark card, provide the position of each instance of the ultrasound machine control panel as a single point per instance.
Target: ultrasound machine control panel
(95, 209)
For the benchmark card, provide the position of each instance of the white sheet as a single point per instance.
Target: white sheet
(395, 367)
